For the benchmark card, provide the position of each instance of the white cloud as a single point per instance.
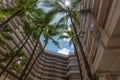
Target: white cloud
(64, 51)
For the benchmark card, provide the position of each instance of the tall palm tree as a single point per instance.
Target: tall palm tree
(22, 8)
(24, 70)
(48, 34)
(69, 34)
(76, 52)
(34, 62)
(17, 65)
(4, 36)
(27, 7)
(30, 29)
(47, 30)
(71, 13)
(12, 58)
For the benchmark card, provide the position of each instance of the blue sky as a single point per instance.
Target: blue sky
(64, 43)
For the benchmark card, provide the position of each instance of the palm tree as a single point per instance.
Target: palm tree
(5, 36)
(17, 65)
(5, 76)
(24, 70)
(48, 34)
(81, 76)
(17, 52)
(27, 7)
(48, 31)
(71, 13)
(34, 62)
(22, 9)
(29, 29)
(69, 34)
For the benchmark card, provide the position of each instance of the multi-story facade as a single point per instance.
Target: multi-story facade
(100, 43)
(55, 67)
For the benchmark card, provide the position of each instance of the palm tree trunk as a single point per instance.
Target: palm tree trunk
(10, 18)
(24, 70)
(11, 73)
(17, 45)
(87, 67)
(4, 69)
(34, 62)
(81, 76)
(5, 76)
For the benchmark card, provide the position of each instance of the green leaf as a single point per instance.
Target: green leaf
(56, 43)
(62, 5)
(62, 20)
(23, 61)
(49, 17)
(64, 36)
(10, 54)
(21, 54)
(7, 56)
(5, 13)
(5, 29)
(7, 37)
(75, 16)
(2, 45)
(71, 41)
(46, 39)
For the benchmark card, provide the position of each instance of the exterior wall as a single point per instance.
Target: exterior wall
(73, 68)
(56, 67)
(100, 43)
(50, 67)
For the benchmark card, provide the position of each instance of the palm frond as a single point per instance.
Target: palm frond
(75, 3)
(49, 17)
(63, 36)
(75, 16)
(55, 42)
(62, 5)
(2, 45)
(71, 41)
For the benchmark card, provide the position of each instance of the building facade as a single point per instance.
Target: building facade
(101, 41)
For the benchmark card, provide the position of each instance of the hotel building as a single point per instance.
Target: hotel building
(101, 44)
